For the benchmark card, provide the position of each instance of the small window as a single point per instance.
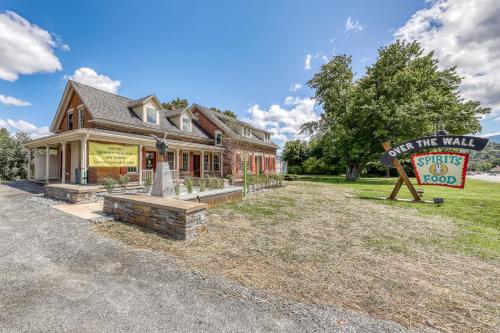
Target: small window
(132, 169)
(267, 137)
(170, 159)
(218, 138)
(216, 162)
(70, 121)
(185, 161)
(246, 131)
(151, 115)
(81, 121)
(205, 162)
(186, 124)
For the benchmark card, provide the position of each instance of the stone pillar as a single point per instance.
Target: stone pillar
(139, 167)
(202, 164)
(63, 163)
(28, 155)
(47, 163)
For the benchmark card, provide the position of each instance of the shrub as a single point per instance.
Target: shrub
(201, 183)
(109, 184)
(123, 182)
(177, 189)
(189, 184)
(295, 169)
(148, 183)
(230, 178)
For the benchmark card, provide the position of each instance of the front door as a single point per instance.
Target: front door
(196, 166)
(150, 160)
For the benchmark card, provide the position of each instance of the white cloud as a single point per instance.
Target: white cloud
(353, 26)
(89, 77)
(24, 126)
(284, 122)
(295, 87)
(9, 100)
(307, 62)
(25, 48)
(463, 33)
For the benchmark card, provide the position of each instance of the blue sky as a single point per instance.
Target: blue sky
(249, 57)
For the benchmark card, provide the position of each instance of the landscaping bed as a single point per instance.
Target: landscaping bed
(318, 243)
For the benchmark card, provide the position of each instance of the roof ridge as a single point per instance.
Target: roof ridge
(107, 92)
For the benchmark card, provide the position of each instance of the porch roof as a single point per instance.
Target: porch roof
(115, 137)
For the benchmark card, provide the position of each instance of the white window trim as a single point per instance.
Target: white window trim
(70, 112)
(145, 115)
(81, 120)
(217, 133)
(133, 172)
(190, 124)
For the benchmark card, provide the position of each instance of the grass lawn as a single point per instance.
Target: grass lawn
(475, 209)
(318, 242)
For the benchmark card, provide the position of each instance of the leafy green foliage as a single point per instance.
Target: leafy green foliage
(176, 103)
(228, 113)
(402, 96)
(123, 182)
(485, 159)
(109, 184)
(13, 158)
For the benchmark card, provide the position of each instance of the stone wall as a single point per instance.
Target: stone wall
(175, 218)
(67, 194)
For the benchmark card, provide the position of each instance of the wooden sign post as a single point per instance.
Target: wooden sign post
(403, 179)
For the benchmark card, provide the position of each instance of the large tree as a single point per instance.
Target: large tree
(402, 96)
(177, 103)
(13, 159)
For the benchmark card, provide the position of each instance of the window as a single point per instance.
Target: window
(218, 138)
(205, 162)
(151, 115)
(217, 162)
(70, 120)
(150, 160)
(81, 115)
(170, 159)
(132, 169)
(186, 124)
(185, 161)
(267, 137)
(245, 131)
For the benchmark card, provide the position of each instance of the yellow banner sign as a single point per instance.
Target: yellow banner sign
(112, 155)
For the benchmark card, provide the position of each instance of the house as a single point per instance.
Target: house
(97, 134)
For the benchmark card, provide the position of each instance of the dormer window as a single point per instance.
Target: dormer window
(186, 124)
(267, 137)
(218, 138)
(245, 131)
(151, 115)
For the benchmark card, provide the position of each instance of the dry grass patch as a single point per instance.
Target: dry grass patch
(316, 243)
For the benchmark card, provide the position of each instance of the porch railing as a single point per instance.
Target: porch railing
(149, 174)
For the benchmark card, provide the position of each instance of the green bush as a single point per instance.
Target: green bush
(231, 179)
(295, 169)
(123, 182)
(201, 184)
(177, 188)
(109, 184)
(189, 184)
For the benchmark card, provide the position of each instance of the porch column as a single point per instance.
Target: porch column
(202, 162)
(139, 167)
(220, 166)
(28, 155)
(83, 160)
(63, 163)
(178, 163)
(47, 163)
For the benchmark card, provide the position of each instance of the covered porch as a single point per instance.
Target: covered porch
(64, 158)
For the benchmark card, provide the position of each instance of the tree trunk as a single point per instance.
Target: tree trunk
(353, 171)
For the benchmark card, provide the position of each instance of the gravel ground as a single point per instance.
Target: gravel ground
(58, 275)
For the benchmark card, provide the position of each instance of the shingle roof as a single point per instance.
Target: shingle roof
(175, 112)
(221, 121)
(136, 102)
(107, 106)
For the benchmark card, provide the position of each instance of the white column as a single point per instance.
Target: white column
(178, 164)
(139, 167)
(47, 163)
(63, 163)
(28, 154)
(202, 166)
(220, 165)
(83, 158)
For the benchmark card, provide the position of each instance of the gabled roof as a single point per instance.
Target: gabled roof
(175, 112)
(222, 122)
(105, 106)
(143, 101)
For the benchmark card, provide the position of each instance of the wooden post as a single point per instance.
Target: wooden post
(403, 178)
(139, 167)
(63, 162)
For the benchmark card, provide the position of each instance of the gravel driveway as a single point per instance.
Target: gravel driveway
(56, 274)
